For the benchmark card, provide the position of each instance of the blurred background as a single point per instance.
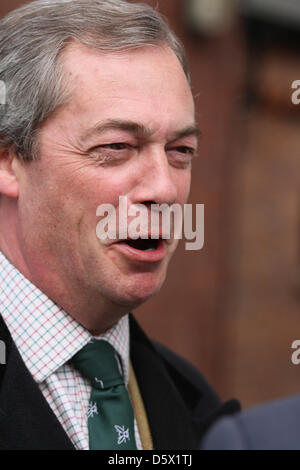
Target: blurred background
(232, 308)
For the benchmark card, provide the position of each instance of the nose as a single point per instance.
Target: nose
(156, 180)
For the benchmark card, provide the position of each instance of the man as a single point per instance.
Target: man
(98, 106)
(273, 426)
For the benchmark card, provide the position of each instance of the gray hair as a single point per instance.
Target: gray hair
(32, 39)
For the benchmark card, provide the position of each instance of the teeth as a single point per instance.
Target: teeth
(150, 249)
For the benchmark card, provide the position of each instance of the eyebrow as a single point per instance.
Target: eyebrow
(139, 130)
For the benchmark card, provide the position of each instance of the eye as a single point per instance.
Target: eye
(116, 146)
(181, 157)
(186, 150)
(111, 154)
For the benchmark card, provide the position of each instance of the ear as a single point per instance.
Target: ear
(8, 179)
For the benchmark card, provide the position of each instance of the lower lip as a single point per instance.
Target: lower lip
(144, 256)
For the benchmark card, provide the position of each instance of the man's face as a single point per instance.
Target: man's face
(122, 133)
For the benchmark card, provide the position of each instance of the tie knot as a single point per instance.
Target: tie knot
(98, 362)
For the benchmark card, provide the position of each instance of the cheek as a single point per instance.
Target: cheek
(183, 184)
(103, 184)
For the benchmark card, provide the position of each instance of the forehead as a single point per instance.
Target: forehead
(146, 84)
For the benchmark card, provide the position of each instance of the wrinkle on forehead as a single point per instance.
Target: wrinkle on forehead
(139, 130)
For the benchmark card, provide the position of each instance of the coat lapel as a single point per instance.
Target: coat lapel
(26, 419)
(169, 419)
(179, 410)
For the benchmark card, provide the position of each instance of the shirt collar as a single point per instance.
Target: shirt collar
(46, 335)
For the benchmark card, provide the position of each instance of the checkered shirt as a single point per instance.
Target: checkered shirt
(47, 338)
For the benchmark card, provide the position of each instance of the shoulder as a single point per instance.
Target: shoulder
(150, 355)
(275, 425)
(184, 373)
(156, 363)
(195, 389)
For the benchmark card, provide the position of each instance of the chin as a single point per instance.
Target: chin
(138, 291)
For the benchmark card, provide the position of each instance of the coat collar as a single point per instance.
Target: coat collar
(26, 419)
(179, 410)
(163, 404)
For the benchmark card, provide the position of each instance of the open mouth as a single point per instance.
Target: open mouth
(143, 250)
(143, 244)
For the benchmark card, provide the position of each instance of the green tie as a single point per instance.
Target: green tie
(110, 413)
